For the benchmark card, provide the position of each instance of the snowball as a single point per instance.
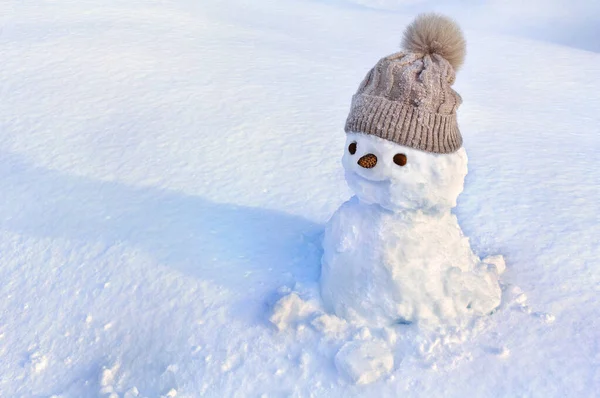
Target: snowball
(364, 362)
(330, 325)
(291, 309)
(428, 181)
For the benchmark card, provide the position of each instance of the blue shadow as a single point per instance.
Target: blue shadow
(234, 246)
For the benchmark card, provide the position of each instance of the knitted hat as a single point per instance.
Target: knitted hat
(407, 97)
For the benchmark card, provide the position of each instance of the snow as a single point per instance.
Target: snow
(382, 268)
(364, 362)
(291, 308)
(428, 182)
(167, 168)
(395, 255)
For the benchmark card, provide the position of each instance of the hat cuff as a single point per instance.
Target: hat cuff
(403, 124)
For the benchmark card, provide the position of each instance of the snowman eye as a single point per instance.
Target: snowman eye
(400, 159)
(352, 148)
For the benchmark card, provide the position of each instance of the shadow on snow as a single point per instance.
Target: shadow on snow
(236, 247)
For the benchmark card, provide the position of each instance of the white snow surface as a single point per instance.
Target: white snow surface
(167, 169)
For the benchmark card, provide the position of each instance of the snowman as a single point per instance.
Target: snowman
(394, 253)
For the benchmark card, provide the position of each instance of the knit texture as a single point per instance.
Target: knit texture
(407, 98)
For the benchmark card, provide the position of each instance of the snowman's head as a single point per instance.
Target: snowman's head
(398, 177)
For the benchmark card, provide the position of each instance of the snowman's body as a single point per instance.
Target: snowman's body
(395, 253)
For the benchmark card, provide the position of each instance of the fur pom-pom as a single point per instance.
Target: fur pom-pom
(436, 34)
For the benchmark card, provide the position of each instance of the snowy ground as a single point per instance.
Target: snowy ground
(166, 168)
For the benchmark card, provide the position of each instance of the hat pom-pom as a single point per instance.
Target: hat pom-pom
(436, 34)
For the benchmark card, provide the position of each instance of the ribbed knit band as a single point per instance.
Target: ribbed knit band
(403, 124)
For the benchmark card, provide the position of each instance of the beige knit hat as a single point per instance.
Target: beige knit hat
(407, 97)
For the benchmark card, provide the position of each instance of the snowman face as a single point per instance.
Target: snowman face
(398, 177)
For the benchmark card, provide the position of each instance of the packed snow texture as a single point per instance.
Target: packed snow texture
(394, 254)
(381, 268)
(428, 182)
(167, 169)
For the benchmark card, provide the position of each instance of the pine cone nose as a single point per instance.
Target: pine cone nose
(368, 161)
